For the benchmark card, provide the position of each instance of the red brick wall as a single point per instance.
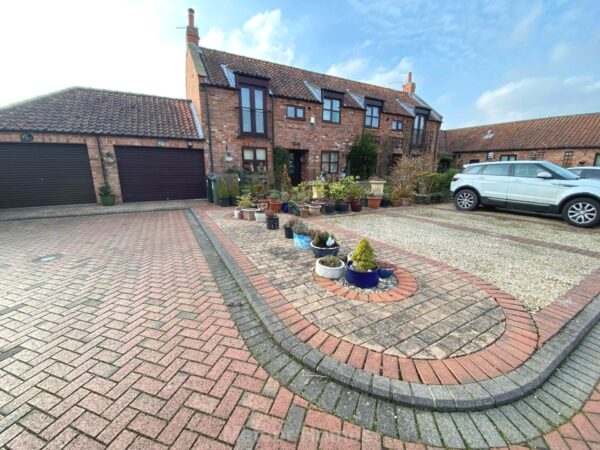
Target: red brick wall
(107, 144)
(557, 156)
(293, 134)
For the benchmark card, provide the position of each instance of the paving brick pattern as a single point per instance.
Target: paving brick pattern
(124, 340)
(271, 279)
(446, 316)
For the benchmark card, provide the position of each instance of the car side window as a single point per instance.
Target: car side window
(471, 169)
(528, 170)
(590, 173)
(496, 169)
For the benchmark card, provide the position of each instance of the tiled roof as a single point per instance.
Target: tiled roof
(577, 131)
(93, 111)
(291, 82)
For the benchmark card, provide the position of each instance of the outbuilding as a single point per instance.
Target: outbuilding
(60, 148)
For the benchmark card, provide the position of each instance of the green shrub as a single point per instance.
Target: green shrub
(234, 186)
(363, 257)
(321, 238)
(301, 228)
(362, 157)
(331, 261)
(244, 201)
(104, 190)
(222, 189)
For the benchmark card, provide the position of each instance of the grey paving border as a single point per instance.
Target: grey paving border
(473, 396)
(523, 420)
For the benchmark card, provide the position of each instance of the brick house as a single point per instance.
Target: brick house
(565, 140)
(60, 148)
(248, 106)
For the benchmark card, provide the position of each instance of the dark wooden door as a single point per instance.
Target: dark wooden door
(295, 166)
(148, 173)
(44, 174)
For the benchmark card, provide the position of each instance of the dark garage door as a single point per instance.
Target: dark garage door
(44, 174)
(160, 174)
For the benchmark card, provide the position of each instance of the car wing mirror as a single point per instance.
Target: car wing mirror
(544, 175)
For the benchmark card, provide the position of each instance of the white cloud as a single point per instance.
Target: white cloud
(540, 97)
(526, 24)
(263, 36)
(360, 68)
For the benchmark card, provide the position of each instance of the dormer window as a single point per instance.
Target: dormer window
(253, 92)
(419, 126)
(332, 106)
(372, 113)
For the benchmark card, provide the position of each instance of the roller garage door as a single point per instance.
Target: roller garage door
(44, 174)
(148, 173)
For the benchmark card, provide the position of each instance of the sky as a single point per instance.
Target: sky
(474, 61)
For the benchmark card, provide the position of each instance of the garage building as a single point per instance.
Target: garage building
(60, 148)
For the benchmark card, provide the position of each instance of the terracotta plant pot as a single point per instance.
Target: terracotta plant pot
(374, 202)
(395, 203)
(314, 210)
(276, 205)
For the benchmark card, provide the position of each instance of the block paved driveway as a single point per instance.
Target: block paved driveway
(113, 333)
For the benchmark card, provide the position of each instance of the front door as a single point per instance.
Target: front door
(297, 160)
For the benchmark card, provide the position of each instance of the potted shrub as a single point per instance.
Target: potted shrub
(330, 267)
(234, 190)
(272, 220)
(362, 270)
(288, 231)
(301, 235)
(223, 192)
(107, 198)
(245, 204)
(338, 192)
(355, 194)
(329, 206)
(406, 175)
(395, 198)
(275, 202)
(323, 244)
(374, 201)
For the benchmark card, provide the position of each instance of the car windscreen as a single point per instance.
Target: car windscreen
(561, 172)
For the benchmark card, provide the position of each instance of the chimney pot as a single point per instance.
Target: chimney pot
(410, 77)
(409, 87)
(190, 17)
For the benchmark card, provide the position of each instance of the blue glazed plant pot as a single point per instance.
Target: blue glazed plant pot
(301, 241)
(319, 252)
(284, 207)
(362, 279)
(385, 273)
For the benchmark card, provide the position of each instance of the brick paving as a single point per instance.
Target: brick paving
(122, 339)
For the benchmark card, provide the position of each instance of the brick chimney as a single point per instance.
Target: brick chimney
(191, 32)
(409, 87)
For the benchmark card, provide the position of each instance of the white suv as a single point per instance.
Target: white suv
(538, 186)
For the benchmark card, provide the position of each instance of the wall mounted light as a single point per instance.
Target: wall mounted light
(161, 143)
(26, 137)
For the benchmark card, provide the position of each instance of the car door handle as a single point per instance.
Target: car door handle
(516, 181)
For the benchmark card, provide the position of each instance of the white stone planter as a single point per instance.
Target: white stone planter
(260, 216)
(376, 187)
(314, 210)
(332, 273)
(237, 213)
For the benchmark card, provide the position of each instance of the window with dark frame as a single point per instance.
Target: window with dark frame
(253, 106)
(372, 113)
(397, 125)
(568, 158)
(508, 157)
(330, 162)
(254, 160)
(473, 161)
(332, 106)
(295, 112)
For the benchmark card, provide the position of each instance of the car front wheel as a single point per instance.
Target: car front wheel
(582, 212)
(466, 200)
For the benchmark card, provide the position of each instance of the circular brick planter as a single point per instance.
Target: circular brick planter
(407, 286)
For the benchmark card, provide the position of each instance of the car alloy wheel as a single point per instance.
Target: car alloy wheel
(582, 213)
(465, 200)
